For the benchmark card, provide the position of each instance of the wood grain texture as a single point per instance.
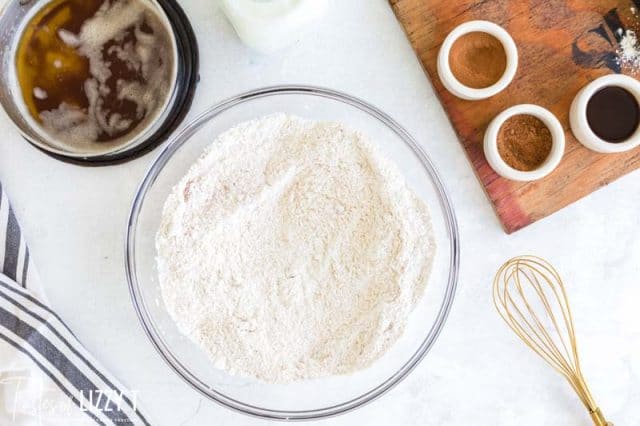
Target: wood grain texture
(563, 45)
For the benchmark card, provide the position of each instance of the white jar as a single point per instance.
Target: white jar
(270, 25)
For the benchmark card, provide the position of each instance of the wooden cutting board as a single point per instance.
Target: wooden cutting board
(563, 45)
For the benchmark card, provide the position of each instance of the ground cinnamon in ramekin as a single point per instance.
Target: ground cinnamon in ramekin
(478, 60)
(524, 142)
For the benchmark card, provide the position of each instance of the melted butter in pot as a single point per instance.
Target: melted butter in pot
(95, 71)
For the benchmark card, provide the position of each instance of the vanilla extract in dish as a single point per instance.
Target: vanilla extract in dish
(613, 114)
(94, 74)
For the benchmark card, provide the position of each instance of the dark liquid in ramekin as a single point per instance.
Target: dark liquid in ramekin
(613, 114)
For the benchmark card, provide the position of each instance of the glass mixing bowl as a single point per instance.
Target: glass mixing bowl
(315, 398)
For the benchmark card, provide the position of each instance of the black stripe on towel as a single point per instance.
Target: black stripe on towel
(12, 237)
(25, 267)
(57, 333)
(30, 336)
(12, 247)
(51, 376)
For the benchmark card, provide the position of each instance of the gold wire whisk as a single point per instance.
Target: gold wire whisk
(531, 298)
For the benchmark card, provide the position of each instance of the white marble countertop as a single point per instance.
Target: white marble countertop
(477, 373)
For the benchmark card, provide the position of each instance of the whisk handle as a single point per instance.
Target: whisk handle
(598, 418)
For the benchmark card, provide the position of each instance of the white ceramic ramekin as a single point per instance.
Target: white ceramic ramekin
(453, 85)
(578, 114)
(497, 162)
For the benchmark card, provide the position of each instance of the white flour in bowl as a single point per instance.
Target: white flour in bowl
(293, 250)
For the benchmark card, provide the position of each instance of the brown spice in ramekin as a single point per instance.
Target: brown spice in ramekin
(478, 60)
(524, 142)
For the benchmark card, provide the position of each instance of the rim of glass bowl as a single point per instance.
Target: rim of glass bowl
(147, 322)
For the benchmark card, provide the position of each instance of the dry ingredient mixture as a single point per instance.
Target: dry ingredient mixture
(94, 73)
(524, 142)
(293, 250)
(478, 60)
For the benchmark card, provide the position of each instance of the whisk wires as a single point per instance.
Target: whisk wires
(531, 298)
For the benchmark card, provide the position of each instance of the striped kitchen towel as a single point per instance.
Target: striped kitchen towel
(46, 376)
